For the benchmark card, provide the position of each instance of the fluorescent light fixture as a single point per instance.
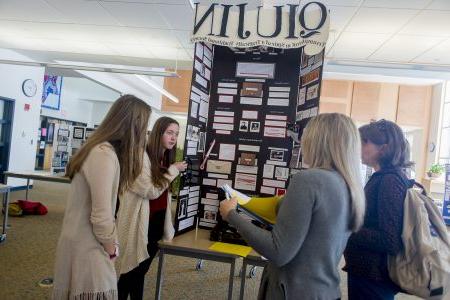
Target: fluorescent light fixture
(158, 88)
(93, 67)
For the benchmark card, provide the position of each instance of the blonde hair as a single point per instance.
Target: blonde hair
(125, 127)
(332, 141)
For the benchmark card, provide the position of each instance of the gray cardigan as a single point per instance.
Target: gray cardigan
(306, 244)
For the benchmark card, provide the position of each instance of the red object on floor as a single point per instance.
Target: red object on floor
(32, 208)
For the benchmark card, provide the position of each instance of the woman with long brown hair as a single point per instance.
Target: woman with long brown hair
(104, 167)
(144, 215)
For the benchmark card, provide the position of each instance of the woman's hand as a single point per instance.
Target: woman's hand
(181, 166)
(110, 248)
(226, 206)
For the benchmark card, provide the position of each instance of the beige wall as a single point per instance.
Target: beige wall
(407, 105)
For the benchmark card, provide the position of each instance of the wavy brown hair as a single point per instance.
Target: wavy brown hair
(125, 127)
(160, 160)
(395, 152)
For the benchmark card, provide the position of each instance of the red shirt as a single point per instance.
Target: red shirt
(159, 203)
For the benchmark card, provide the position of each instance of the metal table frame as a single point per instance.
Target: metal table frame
(5, 190)
(194, 253)
(32, 175)
(252, 260)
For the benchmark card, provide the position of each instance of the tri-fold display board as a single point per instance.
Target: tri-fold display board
(247, 110)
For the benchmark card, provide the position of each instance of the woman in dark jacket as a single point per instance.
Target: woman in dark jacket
(386, 150)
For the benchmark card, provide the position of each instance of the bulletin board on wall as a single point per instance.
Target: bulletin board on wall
(243, 103)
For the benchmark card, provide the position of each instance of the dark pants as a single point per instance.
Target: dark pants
(360, 288)
(132, 283)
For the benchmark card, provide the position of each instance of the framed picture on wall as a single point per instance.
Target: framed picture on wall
(51, 93)
(78, 133)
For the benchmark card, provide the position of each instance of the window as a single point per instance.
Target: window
(444, 149)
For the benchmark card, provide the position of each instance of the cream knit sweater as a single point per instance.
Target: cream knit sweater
(133, 217)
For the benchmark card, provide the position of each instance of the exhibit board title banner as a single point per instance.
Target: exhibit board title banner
(247, 24)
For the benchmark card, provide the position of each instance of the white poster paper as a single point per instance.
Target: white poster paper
(224, 113)
(186, 223)
(222, 182)
(268, 171)
(275, 123)
(228, 85)
(227, 152)
(278, 95)
(225, 99)
(247, 169)
(276, 117)
(251, 101)
(274, 183)
(220, 126)
(200, 80)
(278, 101)
(279, 89)
(267, 190)
(248, 148)
(250, 114)
(281, 173)
(227, 91)
(194, 109)
(228, 120)
(245, 182)
(301, 96)
(277, 132)
(207, 181)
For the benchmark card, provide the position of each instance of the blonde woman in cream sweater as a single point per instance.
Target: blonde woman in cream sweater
(144, 215)
(106, 166)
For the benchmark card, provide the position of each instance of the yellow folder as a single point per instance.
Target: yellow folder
(231, 248)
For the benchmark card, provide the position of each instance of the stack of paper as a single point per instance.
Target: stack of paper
(232, 193)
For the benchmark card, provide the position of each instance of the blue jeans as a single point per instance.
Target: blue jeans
(361, 288)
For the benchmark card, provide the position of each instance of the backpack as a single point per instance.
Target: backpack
(32, 208)
(14, 210)
(422, 268)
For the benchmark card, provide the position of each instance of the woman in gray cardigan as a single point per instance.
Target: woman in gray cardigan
(322, 206)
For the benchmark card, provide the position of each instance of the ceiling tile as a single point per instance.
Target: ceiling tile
(341, 2)
(132, 50)
(172, 2)
(429, 23)
(155, 37)
(83, 12)
(340, 16)
(404, 48)
(411, 4)
(380, 20)
(29, 10)
(177, 17)
(168, 53)
(438, 55)
(184, 37)
(352, 45)
(440, 5)
(135, 14)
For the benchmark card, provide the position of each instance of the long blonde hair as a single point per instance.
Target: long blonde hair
(125, 127)
(332, 141)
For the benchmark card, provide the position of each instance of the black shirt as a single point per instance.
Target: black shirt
(367, 250)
